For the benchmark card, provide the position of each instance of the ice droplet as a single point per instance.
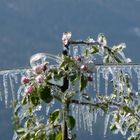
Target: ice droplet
(98, 80)
(75, 51)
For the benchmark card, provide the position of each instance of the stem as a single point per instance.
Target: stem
(76, 42)
(95, 104)
(64, 123)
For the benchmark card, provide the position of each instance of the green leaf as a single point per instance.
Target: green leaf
(54, 116)
(118, 48)
(83, 82)
(67, 62)
(95, 49)
(117, 59)
(21, 131)
(70, 122)
(131, 138)
(59, 136)
(51, 136)
(35, 100)
(113, 127)
(24, 100)
(126, 109)
(45, 94)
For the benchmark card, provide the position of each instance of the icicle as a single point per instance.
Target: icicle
(15, 76)
(0, 93)
(12, 86)
(84, 117)
(5, 84)
(75, 51)
(69, 134)
(137, 70)
(82, 50)
(98, 80)
(105, 72)
(101, 112)
(95, 115)
(80, 115)
(138, 76)
(89, 120)
(75, 112)
(77, 117)
(106, 122)
(117, 82)
(129, 70)
(94, 82)
(47, 109)
(20, 92)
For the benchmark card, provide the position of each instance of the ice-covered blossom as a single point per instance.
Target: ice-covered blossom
(38, 69)
(44, 66)
(25, 80)
(128, 60)
(90, 78)
(66, 37)
(29, 89)
(91, 40)
(84, 67)
(39, 79)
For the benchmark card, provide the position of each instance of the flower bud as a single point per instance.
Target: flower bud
(29, 89)
(78, 58)
(44, 66)
(39, 79)
(25, 80)
(90, 78)
(38, 69)
(84, 67)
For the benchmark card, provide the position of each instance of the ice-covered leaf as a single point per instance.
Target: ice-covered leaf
(45, 94)
(54, 116)
(59, 136)
(118, 48)
(70, 122)
(83, 82)
(102, 39)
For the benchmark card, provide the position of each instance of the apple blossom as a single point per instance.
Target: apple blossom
(66, 37)
(84, 67)
(29, 89)
(39, 79)
(37, 69)
(25, 80)
(90, 78)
